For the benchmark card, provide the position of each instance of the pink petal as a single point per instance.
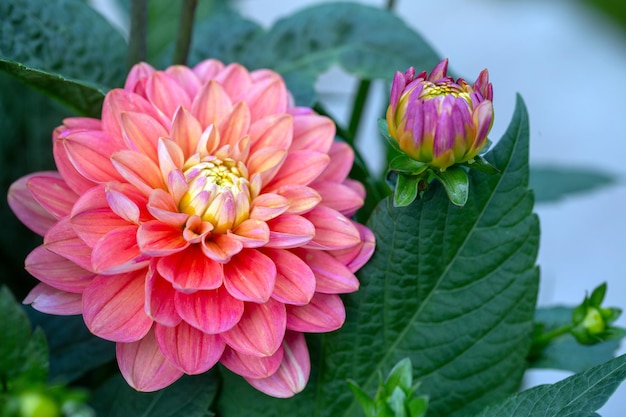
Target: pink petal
(252, 366)
(251, 233)
(324, 313)
(73, 178)
(163, 207)
(171, 157)
(208, 69)
(141, 132)
(235, 79)
(118, 252)
(160, 295)
(52, 192)
(295, 282)
(333, 230)
(160, 239)
(90, 153)
(139, 170)
(266, 162)
(189, 349)
(301, 198)
(339, 197)
(211, 105)
(293, 373)
(300, 167)
(166, 94)
(27, 209)
(190, 270)
(221, 248)
(260, 331)
(118, 101)
(275, 130)
(63, 240)
(236, 125)
(268, 206)
(268, 96)
(186, 131)
(212, 311)
(137, 72)
(50, 300)
(331, 276)
(122, 205)
(313, 132)
(144, 366)
(113, 307)
(355, 257)
(57, 271)
(341, 159)
(250, 276)
(290, 231)
(186, 78)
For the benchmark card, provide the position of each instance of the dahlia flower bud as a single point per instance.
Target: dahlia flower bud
(438, 121)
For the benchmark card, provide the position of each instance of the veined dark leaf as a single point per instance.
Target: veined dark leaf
(454, 289)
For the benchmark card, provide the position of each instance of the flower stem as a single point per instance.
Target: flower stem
(360, 99)
(137, 43)
(185, 27)
(545, 338)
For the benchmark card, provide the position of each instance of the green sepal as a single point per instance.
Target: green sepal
(401, 375)
(480, 164)
(418, 406)
(597, 295)
(403, 163)
(384, 130)
(407, 187)
(367, 404)
(456, 183)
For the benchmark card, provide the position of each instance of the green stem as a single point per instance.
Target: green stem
(137, 43)
(185, 27)
(360, 100)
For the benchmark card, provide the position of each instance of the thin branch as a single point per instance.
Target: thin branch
(185, 27)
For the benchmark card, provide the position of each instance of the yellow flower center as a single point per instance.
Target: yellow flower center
(432, 90)
(219, 192)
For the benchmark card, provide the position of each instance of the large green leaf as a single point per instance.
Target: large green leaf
(452, 288)
(190, 396)
(554, 183)
(577, 396)
(63, 48)
(565, 352)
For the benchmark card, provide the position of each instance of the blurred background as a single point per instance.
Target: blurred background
(567, 58)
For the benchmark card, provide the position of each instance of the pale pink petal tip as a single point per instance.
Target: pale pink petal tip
(143, 365)
(50, 300)
(293, 373)
(27, 209)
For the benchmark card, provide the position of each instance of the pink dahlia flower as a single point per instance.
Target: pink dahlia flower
(203, 219)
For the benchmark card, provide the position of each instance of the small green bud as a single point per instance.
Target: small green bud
(34, 404)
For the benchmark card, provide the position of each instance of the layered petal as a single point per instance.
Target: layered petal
(51, 300)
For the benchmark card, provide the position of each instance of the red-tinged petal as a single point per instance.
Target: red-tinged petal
(171, 157)
(260, 331)
(295, 282)
(186, 131)
(339, 197)
(236, 125)
(301, 198)
(221, 248)
(333, 230)
(90, 153)
(50, 300)
(166, 94)
(118, 101)
(137, 72)
(72, 177)
(190, 270)
(357, 256)
(189, 349)
(208, 69)
(290, 231)
(268, 206)
(211, 105)
(113, 307)
(250, 366)
(235, 79)
(267, 96)
(163, 207)
(266, 162)
(140, 132)
(293, 373)
(92, 218)
(63, 240)
(250, 276)
(251, 233)
(160, 239)
(57, 271)
(139, 170)
(331, 276)
(439, 71)
(52, 192)
(118, 252)
(300, 167)
(159, 303)
(87, 123)
(212, 311)
(275, 130)
(27, 209)
(186, 78)
(313, 132)
(196, 229)
(324, 313)
(341, 158)
(144, 366)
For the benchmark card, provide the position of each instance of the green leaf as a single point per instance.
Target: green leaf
(577, 396)
(406, 190)
(554, 183)
(190, 396)
(452, 288)
(59, 55)
(456, 184)
(480, 164)
(565, 352)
